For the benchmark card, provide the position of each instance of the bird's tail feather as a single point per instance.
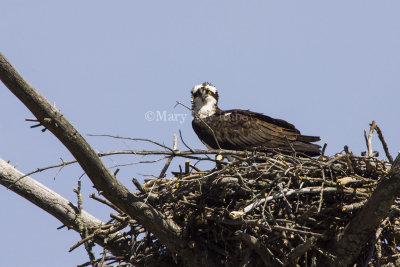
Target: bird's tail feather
(308, 139)
(308, 149)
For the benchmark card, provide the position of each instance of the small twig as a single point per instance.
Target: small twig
(368, 139)
(36, 125)
(83, 231)
(323, 149)
(62, 165)
(103, 258)
(138, 162)
(187, 166)
(138, 186)
(354, 206)
(195, 168)
(370, 165)
(106, 202)
(385, 146)
(183, 142)
(348, 159)
(334, 159)
(183, 105)
(133, 139)
(165, 168)
(108, 258)
(81, 242)
(321, 197)
(175, 146)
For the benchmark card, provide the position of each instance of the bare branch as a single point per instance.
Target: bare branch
(104, 181)
(385, 146)
(368, 140)
(133, 139)
(57, 206)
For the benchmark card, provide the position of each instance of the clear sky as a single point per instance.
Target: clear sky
(329, 67)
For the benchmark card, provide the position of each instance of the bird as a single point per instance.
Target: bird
(238, 129)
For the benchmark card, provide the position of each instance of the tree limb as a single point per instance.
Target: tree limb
(104, 181)
(360, 229)
(57, 206)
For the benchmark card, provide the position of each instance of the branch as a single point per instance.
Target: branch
(384, 144)
(363, 225)
(56, 205)
(368, 139)
(103, 180)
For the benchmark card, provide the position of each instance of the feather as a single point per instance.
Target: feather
(243, 129)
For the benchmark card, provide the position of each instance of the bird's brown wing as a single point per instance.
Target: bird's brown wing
(242, 129)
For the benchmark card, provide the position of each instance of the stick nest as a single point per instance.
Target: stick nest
(270, 209)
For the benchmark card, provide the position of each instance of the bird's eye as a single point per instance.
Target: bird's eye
(209, 92)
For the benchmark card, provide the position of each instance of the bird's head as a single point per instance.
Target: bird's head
(204, 100)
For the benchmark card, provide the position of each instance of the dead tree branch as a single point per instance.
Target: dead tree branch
(57, 206)
(104, 181)
(384, 144)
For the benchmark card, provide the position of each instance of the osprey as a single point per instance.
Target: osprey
(237, 129)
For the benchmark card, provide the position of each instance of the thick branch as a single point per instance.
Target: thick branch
(57, 206)
(104, 181)
(363, 226)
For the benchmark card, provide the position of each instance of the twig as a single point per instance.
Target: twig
(348, 159)
(62, 165)
(165, 168)
(82, 228)
(99, 260)
(175, 145)
(385, 146)
(323, 149)
(370, 165)
(369, 138)
(138, 186)
(133, 139)
(184, 143)
(106, 202)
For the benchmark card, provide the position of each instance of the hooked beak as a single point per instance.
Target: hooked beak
(203, 97)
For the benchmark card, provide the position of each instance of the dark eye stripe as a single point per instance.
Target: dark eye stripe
(206, 91)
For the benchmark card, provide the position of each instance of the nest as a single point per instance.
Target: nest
(287, 206)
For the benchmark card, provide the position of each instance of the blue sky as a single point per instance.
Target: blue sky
(330, 68)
